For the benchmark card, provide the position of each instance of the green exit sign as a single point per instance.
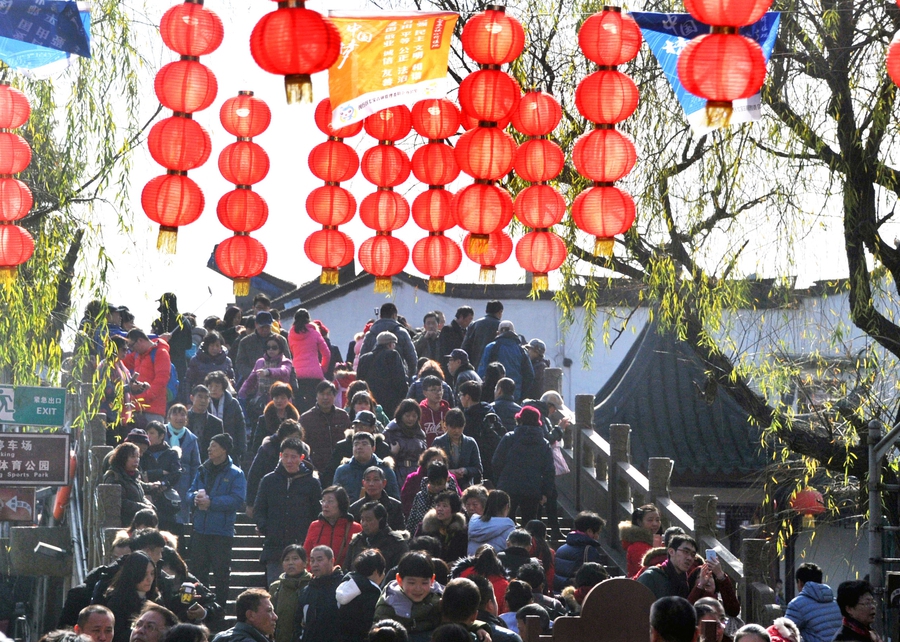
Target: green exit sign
(32, 406)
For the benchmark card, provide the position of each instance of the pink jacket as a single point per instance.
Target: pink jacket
(310, 353)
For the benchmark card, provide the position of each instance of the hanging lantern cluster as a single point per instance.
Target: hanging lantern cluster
(331, 205)
(436, 120)
(242, 210)
(540, 205)
(485, 152)
(723, 66)
(605, 155)
(295, 42)
(16, 243)
(179, 143)
(385, 166)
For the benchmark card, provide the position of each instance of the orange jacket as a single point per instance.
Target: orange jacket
(152, 367)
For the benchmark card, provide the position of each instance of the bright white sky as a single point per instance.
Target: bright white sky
(142, 274)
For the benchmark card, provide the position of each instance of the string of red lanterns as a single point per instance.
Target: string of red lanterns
(242, 210)
(16, 199)
(384, 211)
(179, 143)
(295, 42)
(539, 206)
(331, 205)
(604, 155)
(723, 66)
(434, 164)
(485, 152)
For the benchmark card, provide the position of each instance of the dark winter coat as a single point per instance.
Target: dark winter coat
(350, 476)
(454, 538)
(323, 431)
(404, 345)
(161, 464)
(205, 426)
(469, 458)
(318, 618)
(412, 443)
(267, 423)
(523, 463)
(228, 409)
(383, 370)
(285, 593)
(393, 544)
(507, 350)
(200, 365)
(343, 452)
(478, 335)
(537, 385)
(285, 507)
(506, 408)
(241, 632)
(465, 373)
(267, 458)
(452, 337)
(356, 597)
(487, 437)
(514, 557)
(393, 507)
(133, 498)
(578, 549)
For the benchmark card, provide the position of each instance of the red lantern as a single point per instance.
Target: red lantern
(191, 30)
(607, 96)
(604, 155)
(15, 200)
(481, 209)
(294, 42)
(540, 206)
(179, 144)
(432, 210)
(330, 205)
(486, 153)
(604, 212)
(385, 166)
(245, 116)
(435, 164)
(14, 107)
(540, 253)
(323, 117)
(492, 37)
(727, 13)
(390, 124)
(892, 60)
(437, 256)
(330, 249)
(808, 503)
(186, 86)
(468, 122)
(16, 247)
(609, 37)
(497, 249)
(537, 114)
(171, 201)
(240, 258)
(435, 118)
(242, 210)
(383, 256)
(489, 95)
(539, 160)
(333, 161)
(244, 163)
(15, 154)
(384, 211)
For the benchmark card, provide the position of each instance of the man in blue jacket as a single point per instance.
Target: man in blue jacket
(218, 492)
(350, 475)
(507, 349)
(814, 610)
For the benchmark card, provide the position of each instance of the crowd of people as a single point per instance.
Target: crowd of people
(398, 486)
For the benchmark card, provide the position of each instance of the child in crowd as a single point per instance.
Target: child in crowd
(414, 598)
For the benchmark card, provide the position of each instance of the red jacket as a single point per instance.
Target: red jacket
(153, 367)
(337, 537)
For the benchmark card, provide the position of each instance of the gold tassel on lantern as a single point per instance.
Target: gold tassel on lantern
(718, 113)
(329, 276)
(488, 274)
(809, 521)
(298, 89)
(8, 274)
(436, 285)
(540, 282)
(603, 246)
(383, 284)
(167, 239)
(478, 244)
(241, 287)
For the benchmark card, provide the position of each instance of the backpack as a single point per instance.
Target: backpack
(172, 386)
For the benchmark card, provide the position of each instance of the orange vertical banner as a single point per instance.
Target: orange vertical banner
(388, 60)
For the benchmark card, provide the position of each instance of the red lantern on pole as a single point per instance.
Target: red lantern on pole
(242, 211)
(437, 256)
(604, 155)
(607, 96)
(540, 206)
(492, 37)
(295, 42)
(186, 86)
(892, 60)
(489, 95)
(432, 210)
(330, 206)
(808, 503)
(16, 247)
(383, 256)
(604, 212)
(389, 124)
(539, 160)
(435, 164)
(717, 13)
(172, 201)
(609, 37)
(14, 107)
(486, 153)
(329, 248)
(481, 209)
(497, 249)
(16, 200)
(190, 29)
(16, 243)
(435, 118)
(385, 166)
(540, 252)
(537, 114)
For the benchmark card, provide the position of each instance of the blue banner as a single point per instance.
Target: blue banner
(668, 34)
(43, 34)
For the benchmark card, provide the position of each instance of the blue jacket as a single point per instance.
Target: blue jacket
(506, 408)
(493, 531)
(227, 492)
(578, 549)
(190, 464)
(815, 613)
(350, 476)
(507, 350)
(469, 458)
